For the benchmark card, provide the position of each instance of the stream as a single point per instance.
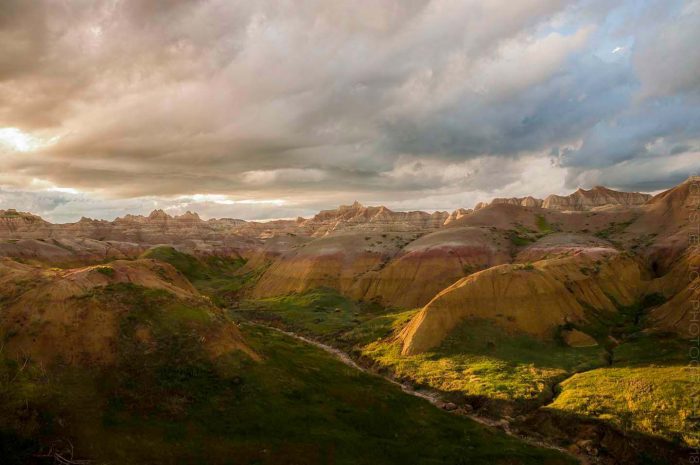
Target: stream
(431, 396)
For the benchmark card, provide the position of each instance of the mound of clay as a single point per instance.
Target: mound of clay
(534, 298)
(563, 244)
(69, 251)
(431, 263)
(74, 315)
(665, 224)
(334, 261)
(681, 285)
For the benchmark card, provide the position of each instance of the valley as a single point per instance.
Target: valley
(555, 328)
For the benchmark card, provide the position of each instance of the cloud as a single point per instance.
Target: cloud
(315, 102)
(664, 57)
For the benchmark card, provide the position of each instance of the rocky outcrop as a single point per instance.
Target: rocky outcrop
(520, 201)
(22, 224)
(599, 196)
(359, 217)
(457, 214)
(396, 269)
(528, 201)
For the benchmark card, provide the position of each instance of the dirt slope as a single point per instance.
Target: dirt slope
(536, 298)
(429, 264)
(74, 315)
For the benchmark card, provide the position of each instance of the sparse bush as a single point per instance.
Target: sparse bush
(106, 270)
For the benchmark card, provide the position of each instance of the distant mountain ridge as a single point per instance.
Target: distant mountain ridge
(159, 225)
(581, 200)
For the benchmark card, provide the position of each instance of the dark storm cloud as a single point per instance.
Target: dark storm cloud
(316, 101)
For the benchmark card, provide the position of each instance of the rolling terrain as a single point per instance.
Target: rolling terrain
(562, 320)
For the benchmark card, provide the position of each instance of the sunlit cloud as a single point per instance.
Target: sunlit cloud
(18, 141)
(266, 109)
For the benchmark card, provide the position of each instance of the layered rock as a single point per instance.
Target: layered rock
(563, 244)
(334, 261)
(429, 264)
(528, 201)
(22, 224)
(599, 196)
(457, 214)
(359, 217)
(69, 251)
(535, 299)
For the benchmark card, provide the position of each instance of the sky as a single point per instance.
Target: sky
(274, 109)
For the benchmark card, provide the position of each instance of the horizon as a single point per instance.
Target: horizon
(175, 212)
(278, 110)
(324, 231)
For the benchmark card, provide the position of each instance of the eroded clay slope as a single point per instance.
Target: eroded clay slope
(534, 298)
(74, 315)
(429, 264)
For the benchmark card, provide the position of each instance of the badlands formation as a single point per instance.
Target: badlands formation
(530, 264)
(494, 305)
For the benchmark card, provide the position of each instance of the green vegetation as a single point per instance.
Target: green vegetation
(520, 239)
(167, 401)
(543, 225)
(648, 388)
(106, 270)
(522, 236)
(10, 214)
(219, 277)
(613, 230)
(468, 269)
(479, 358)
(326, 315)
(655, 400)
(651, 348)
(626, 321)
(195, 269)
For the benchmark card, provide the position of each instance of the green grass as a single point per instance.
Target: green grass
(324, 314)
(613, 230)
(543, 225)
(655, 400)
(654, 348)
(648, 389)
(194, 268)
(519, 239)
(481, 359)
(218, 277)
(106, 270)
(626, 321)
(169, 403)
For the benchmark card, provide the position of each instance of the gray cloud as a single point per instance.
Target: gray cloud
(314, 102)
